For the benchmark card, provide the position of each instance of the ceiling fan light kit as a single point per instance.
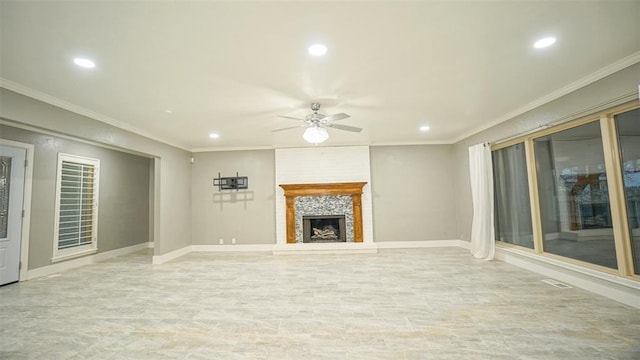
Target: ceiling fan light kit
(316, 125)
(315, 135)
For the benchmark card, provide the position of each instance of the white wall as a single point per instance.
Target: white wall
(323, 165)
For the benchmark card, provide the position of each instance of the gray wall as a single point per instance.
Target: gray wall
(247, 215)
(607, 92)
(413, 193)
(172, 177)
(123, 215)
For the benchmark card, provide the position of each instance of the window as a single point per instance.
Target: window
(5, 183)
(628, 125)
(511, 192)
(572, 192)
(574, 195)
(76, 207)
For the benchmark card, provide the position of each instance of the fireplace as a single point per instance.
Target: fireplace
(326, 199)
(323, 228)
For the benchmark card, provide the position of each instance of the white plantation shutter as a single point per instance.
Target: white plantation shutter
(77, 206)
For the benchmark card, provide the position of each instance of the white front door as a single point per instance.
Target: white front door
(12, 172)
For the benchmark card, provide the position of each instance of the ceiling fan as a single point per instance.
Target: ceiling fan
(316, 124)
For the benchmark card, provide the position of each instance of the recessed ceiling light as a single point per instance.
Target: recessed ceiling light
(168, 111)
(84, 62)
(317, 50)
(544, 42)
(214, 135)
(424, 128)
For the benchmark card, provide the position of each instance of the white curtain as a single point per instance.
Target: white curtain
(481, 173)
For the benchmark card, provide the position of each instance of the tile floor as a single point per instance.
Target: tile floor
(436, 303)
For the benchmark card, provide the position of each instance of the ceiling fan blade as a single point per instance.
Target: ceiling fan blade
(288, 128)
(291, 117)
(344, 127)
(335, 117)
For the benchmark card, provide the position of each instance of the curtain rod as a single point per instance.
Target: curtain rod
(530, 131)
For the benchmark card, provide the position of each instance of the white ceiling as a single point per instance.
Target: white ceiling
(232, 67)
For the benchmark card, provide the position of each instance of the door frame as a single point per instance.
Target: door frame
(26, 219)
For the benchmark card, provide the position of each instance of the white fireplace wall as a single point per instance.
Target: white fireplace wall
(323, 165)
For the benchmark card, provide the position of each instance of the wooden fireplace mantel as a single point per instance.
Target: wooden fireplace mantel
(351, 188)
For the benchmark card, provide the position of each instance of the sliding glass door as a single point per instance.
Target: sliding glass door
(573, 192)
(628, 125)
(511, 192)
(574, 198)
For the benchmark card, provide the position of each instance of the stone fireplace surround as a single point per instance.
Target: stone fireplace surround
(294, 191)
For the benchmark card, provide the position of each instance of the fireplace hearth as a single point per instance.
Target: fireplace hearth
(323, 228)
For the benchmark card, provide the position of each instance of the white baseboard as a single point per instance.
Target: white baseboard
(233, 248)
(421, 244)
(86, 260)
(301, 248)
(464, 244)
(611, 286)
(161, 259)
(325, 248)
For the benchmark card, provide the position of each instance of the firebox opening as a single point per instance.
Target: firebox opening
(323, 228)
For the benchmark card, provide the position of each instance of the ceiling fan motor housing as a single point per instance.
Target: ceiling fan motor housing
(315, 117)
(317, 120)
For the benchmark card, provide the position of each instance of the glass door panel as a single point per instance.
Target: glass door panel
(628, 125)
(511, 193)
(574, 198)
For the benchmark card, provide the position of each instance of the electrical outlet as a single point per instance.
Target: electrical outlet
(221, 241)
(233, 240)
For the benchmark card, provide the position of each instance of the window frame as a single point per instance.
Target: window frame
(83, 249)
(606, 120)
(527, 152)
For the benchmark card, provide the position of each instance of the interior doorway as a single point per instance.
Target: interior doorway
(12, 185)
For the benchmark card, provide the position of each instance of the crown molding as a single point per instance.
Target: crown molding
(589, 79)
(52, 100)
(412, 143)
(230, 148)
